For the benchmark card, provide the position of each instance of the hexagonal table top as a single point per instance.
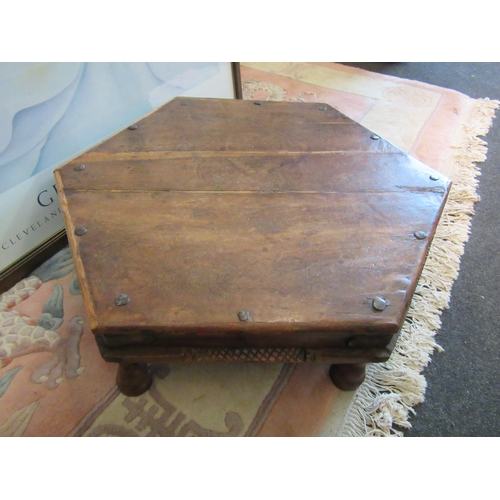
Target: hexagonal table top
(215, 222)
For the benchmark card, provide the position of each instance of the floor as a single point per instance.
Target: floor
(463, 391)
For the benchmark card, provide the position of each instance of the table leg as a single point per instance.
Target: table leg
(133, 379)
(347, 377)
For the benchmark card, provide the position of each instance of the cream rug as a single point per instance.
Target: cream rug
(53, 381)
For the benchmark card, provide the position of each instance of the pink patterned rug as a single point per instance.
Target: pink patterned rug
(53, 381)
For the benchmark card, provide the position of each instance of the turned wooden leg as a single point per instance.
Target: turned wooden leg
(347, 377)
(133, 379)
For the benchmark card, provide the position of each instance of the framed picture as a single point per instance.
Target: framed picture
(53, 112)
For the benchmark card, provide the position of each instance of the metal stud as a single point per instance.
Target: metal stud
(379, 303)
(434, 177)
(375, 137)
(244, 315)
(258, 103)
(122, 299)
(79, 167)
(184, 103)
(133, 127)
(420, 235)
(322, 108)
(80, 230)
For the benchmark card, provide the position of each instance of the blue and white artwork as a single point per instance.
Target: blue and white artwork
(52, 112)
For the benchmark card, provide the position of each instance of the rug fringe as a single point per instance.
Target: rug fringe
(391, 389)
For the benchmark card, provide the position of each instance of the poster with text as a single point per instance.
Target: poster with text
(53, 112)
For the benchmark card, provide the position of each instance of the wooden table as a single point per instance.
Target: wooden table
(248, 231)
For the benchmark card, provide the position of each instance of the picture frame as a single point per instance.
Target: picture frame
(53, 112)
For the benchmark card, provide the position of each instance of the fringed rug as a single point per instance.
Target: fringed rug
(53, 381)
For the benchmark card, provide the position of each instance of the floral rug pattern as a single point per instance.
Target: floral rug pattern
(54, 382)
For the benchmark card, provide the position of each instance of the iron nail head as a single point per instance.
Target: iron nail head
(375, 137)
(133, 127)
(184, 103)
(258, 103)
(122, 299)
(420, 235)
(244, 315)
(323, 108)
(79, 167)
(434, 177)
(80, 230)
(379, 303)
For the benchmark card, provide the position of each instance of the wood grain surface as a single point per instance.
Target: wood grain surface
(290, 212)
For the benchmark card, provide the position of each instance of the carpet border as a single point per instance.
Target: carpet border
(391, 389)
